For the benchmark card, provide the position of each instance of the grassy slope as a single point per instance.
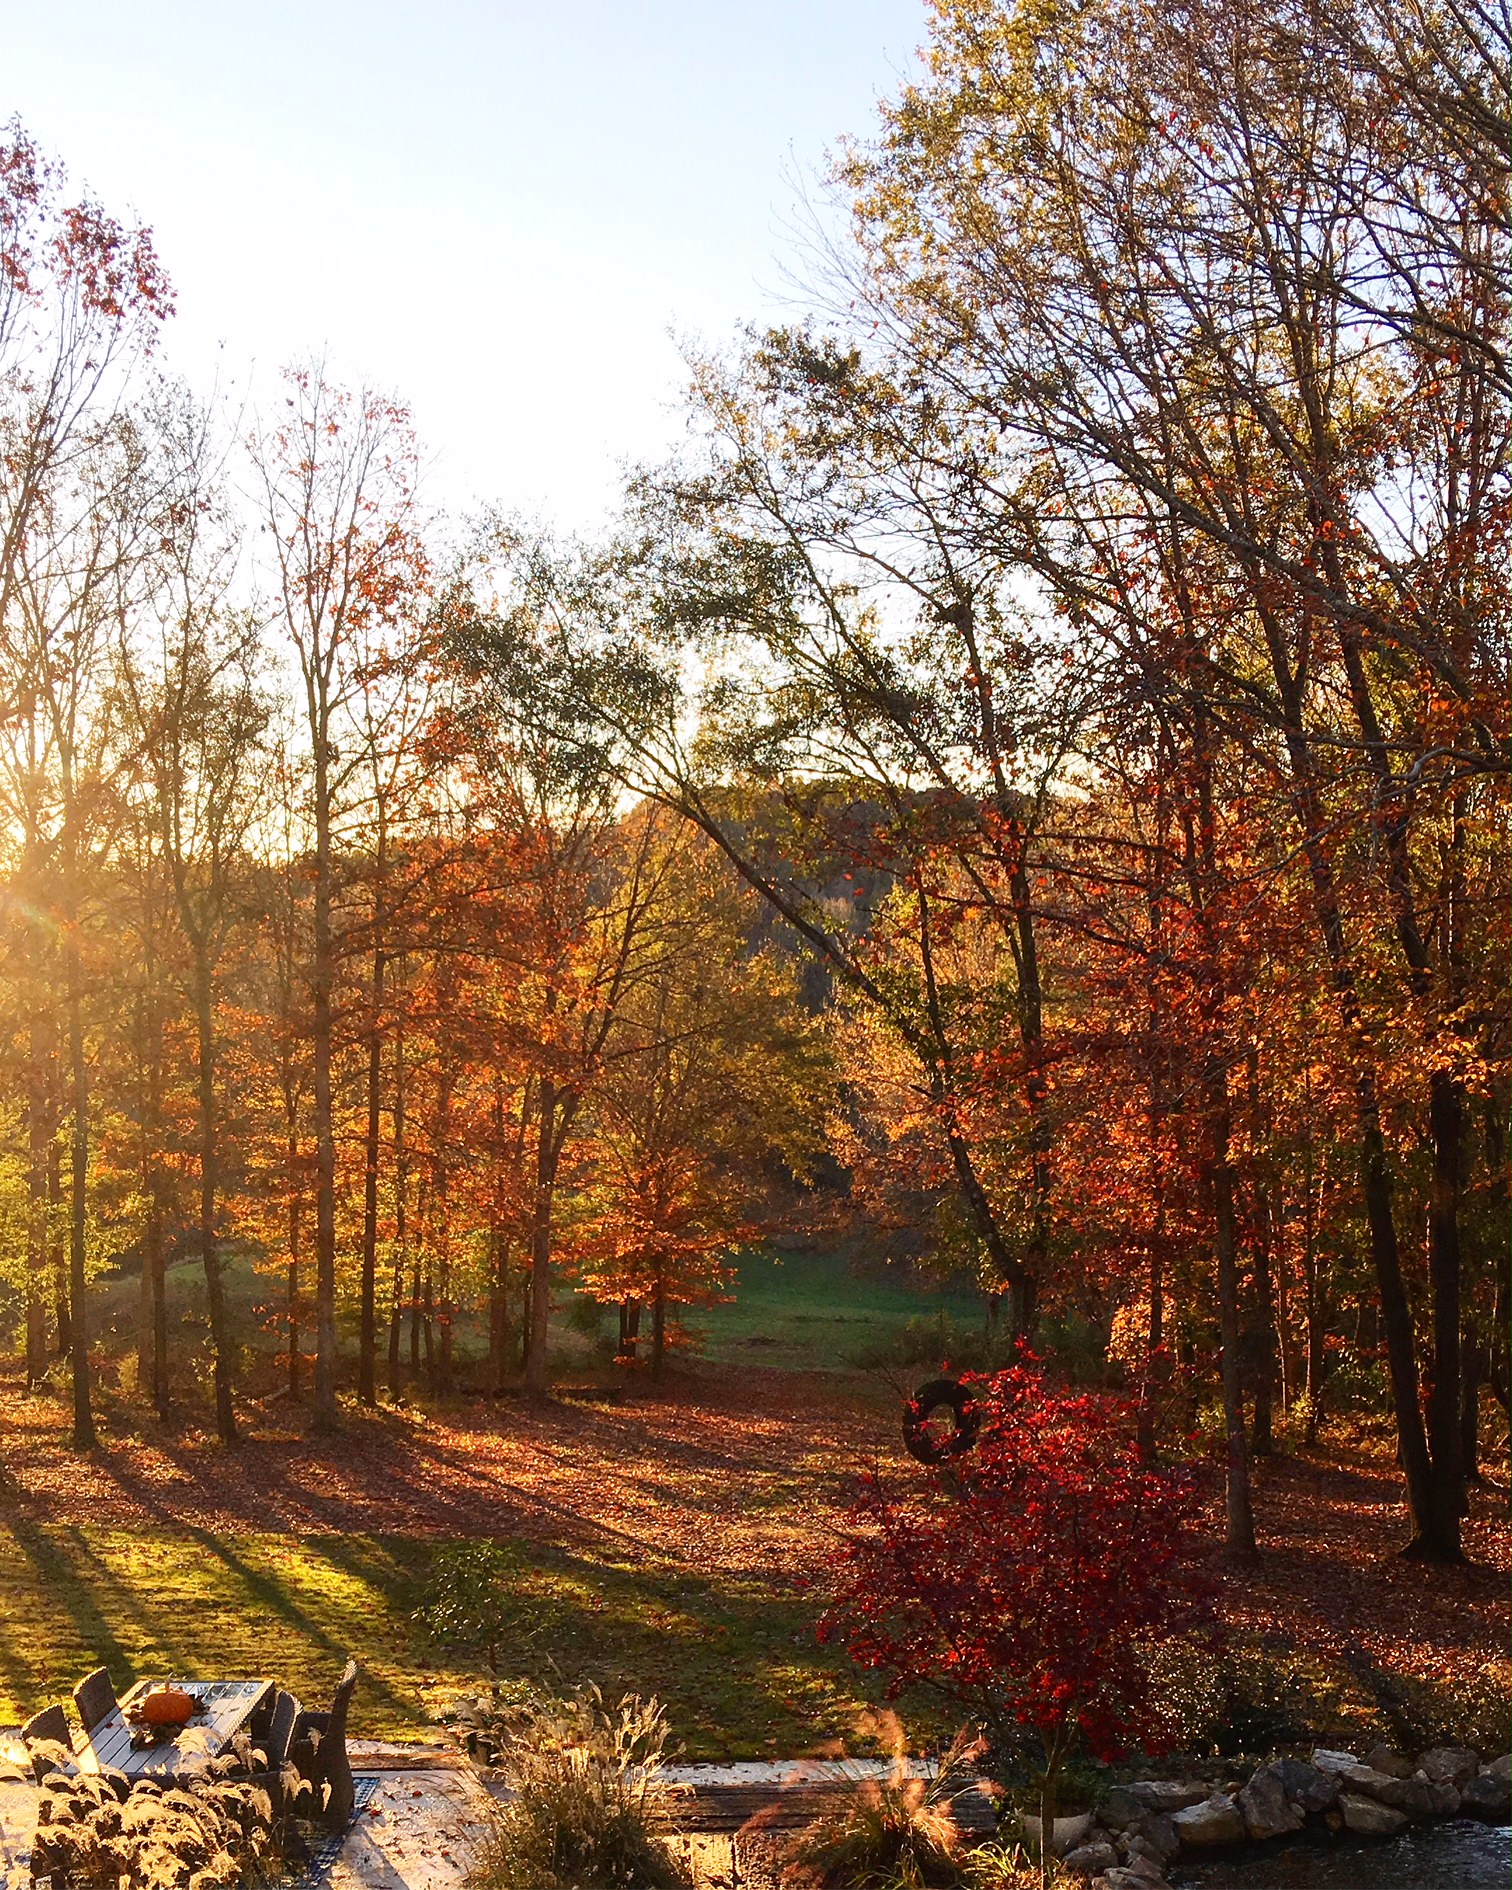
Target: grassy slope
(735, 1662)
(792, 1311)
(738, 1670)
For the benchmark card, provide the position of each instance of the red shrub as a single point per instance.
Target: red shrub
(1023, 1580)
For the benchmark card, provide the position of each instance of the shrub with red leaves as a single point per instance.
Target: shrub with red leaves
(1026, 1580)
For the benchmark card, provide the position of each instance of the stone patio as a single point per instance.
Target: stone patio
(423, 1828)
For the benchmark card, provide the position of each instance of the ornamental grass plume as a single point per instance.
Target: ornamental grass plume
(590, 1806)
(98, 1832)
(897, 1832)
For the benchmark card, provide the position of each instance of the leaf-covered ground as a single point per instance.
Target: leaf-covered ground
(661, 1540)
(658, 1539)
(1372, 1629)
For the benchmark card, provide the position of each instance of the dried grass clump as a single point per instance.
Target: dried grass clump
(100, 1831)
(591, 1807)
(896, 1832)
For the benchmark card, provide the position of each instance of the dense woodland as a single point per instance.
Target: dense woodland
(1029, 778)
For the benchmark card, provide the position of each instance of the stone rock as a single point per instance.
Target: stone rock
(1454, 1765)
(1384, 1758)
(1169, 1794)
(1120, 1809)
(1311, 1788)
(1122, 1878)
(1365, 1781)
(1267, 1811)
(1146, 1871)
(1498, 1768)
(1159, 1832)
(1446, 1799)
(1487, 1796)
(1368, 1817)
(1217, 1820)
(1328, 1761)
(1087, 1860)
(1419, 1797)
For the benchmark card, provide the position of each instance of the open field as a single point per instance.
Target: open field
(657, 1544)
(789, 1311)
(807, 1312)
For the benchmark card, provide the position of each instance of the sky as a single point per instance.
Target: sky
(496, 211)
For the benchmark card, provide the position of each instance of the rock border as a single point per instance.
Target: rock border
(1141, 1829)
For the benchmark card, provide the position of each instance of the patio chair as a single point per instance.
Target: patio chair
(275, 1747)
(319, 1754)
(49, 1727)
(95, 1698)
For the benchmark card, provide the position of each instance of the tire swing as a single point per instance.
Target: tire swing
(928, 1445)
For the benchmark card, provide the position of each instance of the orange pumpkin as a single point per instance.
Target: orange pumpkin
(168, 1706)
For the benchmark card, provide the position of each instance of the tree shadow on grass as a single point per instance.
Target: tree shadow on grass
(275, 1597)
(62, 1585)
(740, 1673)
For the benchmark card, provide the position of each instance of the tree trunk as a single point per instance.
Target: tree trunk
(658, 1330)
(414, 1313)
(540, 1240)
(152, 1334)
(367, 1347)
(629, 1330)
(1049, 1796)
(1262, 1345)
(1154, 1345)
(1031, 1012)
(295, 1217)
(1010, 844)
(78, 1200)
(155, 1295)
(1441, 1541)
(215, 1289)
(500, 1334)
(57, 1245)
(1376, 1185)
(40, 1134)
(441, 1224)
(1239, 1536)
(401, 1210)
(1396, 1318)
(322, 975)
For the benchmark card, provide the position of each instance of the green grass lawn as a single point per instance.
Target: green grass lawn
(740, 1672)
(809, 1311)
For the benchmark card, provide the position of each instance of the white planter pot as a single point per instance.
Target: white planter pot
(1068, 1832)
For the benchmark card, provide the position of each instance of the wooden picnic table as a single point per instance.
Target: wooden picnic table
(229, 1704)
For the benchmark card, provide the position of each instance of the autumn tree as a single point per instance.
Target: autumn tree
(195, 715)
(714, 1082)
(336, 480)
(1059, 259)
(1027, 1581)
(81, 298)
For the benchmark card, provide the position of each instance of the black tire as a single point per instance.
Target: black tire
(940, 1394)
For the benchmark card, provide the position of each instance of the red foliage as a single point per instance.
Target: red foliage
(112, 267)
(1025, 1581)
